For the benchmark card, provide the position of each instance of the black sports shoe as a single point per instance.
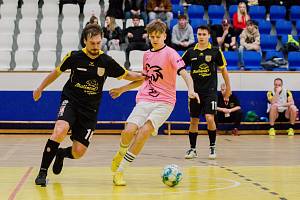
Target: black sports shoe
(59, 162)
(41, 178)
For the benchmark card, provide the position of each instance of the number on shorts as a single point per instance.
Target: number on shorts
(214, 105)
(89, 134)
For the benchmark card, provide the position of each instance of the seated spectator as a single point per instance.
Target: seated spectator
(137, 36)
(229, 112)
(182, 34)
(240, 18)
(79, 2)
(94, 20)
(160, 9)
(112, 33)
(135, 7)
(249, 40)
(226, 37)
(115, 9)
(281, 107)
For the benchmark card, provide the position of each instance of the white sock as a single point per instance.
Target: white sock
(128, 158)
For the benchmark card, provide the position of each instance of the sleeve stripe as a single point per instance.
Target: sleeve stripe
(223, 59)
(123, 75)
(62, 62)
(179, 70)
(289, 93)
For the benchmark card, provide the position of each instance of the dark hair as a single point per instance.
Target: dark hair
(204, 27)
(156, 26)
(91, 30)
(278, 79)
(135, 17)
(92, 19)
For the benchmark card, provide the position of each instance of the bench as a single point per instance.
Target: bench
(115, 127)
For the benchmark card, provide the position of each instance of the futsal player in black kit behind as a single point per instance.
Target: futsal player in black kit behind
(80, 99)
(205, 60)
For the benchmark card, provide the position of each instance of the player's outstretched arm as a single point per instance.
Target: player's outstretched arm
(116, 92)
(37, 93)
(190, 85)
(134, 76)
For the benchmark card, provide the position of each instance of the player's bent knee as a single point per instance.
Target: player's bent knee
(78, 152)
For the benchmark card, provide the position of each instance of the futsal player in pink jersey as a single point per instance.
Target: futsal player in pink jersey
(155, 99)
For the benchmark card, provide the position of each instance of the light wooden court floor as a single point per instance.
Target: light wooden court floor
(255, 167)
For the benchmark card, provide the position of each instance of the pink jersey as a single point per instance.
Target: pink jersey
(161, 68)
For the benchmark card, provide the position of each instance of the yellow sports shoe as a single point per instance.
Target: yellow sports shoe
(116, 161)
(290, 132)
(272, 132)
(118, 179)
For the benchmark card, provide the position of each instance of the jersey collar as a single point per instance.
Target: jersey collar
(84, 51)
(197, 47)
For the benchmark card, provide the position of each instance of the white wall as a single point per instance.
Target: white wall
(242, 81)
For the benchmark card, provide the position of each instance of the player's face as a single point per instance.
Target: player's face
(93, 45)
(277, 84)
(203, 37)
(157, 40)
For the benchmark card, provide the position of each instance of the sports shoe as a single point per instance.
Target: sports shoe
(118, 179)
(290, 132)
(235, 132)
(190, 154)
(116, 161)
(212, 152)
(41, 178)
(272, 132)
(59, 162)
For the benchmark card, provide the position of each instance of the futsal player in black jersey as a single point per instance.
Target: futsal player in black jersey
(80, 99)
(205, 60)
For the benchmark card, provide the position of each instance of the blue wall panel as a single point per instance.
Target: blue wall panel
(19, 105)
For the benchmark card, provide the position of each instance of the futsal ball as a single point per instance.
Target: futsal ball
(171, 175)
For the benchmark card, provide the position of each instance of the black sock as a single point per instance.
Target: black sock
(271, 126)
(193, 139)
(292, 126)
(212, 137)
(67, 152)
(48, 154)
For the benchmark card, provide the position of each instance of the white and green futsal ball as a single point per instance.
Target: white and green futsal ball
(171, 175)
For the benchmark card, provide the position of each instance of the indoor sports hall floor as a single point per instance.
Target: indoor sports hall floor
(248, 167)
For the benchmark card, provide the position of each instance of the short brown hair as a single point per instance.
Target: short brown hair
(182, 17)
(92, 19)
(156, 26)
(204, 27)
(91, 30)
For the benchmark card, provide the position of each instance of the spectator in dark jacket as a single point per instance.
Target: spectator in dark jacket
(135, 7)
(137, 36)
(112, 33)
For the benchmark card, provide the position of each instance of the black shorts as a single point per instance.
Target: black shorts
(281, 117)
(82, 127)
(208, 105)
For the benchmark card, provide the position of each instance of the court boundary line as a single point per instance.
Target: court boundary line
(19, 185)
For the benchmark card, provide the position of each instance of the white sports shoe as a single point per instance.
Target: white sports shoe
(212, 152)
(190, 154)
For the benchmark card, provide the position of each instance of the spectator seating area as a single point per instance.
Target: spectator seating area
(33, 36)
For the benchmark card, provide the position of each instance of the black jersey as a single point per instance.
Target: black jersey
(233, 101)
(84, 87)
(204, 64)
